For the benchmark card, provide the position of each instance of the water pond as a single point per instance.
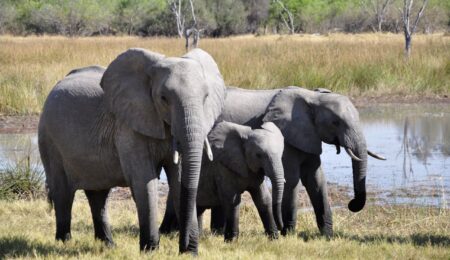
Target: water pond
(415, 139)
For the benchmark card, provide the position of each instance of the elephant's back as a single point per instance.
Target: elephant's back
(246, 107)
(73, 99)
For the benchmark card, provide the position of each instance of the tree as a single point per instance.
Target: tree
(286, 16)
(175, 7)
(379, 8)
(407, 29)
(258, 12)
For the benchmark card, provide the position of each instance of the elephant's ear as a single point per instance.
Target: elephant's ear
(290, 111)
(127, 89)
(227, 144)
(214, 81)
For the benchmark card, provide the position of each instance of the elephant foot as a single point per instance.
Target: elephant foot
(189, 250)
(272, 235)
(109, 244)
(63, 237)
(327, 232)
(230, 237)
(217, 231)
(149, 246)
(288, 230)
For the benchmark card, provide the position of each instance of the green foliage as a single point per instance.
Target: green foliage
(216, 17)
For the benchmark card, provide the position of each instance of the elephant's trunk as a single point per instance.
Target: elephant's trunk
(357, 146)
(276, 175)
(191, 139)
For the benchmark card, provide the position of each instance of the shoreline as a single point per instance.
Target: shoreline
(23, 124)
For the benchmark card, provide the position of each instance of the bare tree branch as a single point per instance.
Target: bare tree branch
(408, 31)
(193, 30)
(179, 18)
(419, 15)
(289, 25)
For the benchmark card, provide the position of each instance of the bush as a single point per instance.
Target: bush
(21, 181)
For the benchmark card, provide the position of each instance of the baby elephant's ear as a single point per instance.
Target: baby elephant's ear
(227, 145)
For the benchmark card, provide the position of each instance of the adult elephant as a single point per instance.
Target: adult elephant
(118, 127)
(306, 118)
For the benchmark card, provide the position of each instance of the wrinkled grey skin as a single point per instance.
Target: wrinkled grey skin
(306, 118)
(242, 157)
(115, 127)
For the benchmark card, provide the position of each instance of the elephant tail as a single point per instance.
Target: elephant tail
(49, 197)
(45, 158)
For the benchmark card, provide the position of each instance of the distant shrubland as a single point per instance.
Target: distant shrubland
(216, 17)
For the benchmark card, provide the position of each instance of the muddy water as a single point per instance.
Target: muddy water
(414, 138)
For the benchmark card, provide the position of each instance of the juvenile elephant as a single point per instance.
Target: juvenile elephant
(306, 118)
(243, 156)
(118, 127)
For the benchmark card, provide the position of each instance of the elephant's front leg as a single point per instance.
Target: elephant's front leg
(170, 219)
(314, 181)
(289, 204)
(263, 202)
(145, 193)
(231, 208)
(200, 211)
(141, 174)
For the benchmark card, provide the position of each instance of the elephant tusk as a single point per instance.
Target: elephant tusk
(338, 149)
(176, 154)
(208, 150)
(352, 155)
(376, 156)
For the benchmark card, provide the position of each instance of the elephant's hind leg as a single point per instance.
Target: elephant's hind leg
(62, 197)
(217, 220)
(60, 194)
(97, 202)
(314, 181)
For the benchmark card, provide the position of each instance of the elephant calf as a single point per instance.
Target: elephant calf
(242, 157)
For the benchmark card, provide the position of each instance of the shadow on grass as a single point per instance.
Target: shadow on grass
(415, 239)
(20, 246)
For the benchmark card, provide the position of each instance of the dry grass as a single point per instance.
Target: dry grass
(367, 64)
(390, 232)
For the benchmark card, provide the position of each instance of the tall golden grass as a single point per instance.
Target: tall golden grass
(358, 65)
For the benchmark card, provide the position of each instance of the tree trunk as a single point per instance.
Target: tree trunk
(408, 41)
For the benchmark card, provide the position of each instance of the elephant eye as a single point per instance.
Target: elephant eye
(204, 99)
(164, 99)
(259, 156)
